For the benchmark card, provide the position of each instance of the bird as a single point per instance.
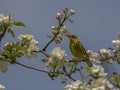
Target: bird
(78, 50)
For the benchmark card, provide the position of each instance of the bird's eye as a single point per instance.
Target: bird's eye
(73, 37)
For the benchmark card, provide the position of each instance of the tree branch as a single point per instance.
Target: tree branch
(67, 74)
(43, 52)
(29, 67)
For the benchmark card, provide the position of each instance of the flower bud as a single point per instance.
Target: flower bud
(110, 61)
(65, 10)
(59, 16)
(116, 43)
(54, 30)
(72, 12)
(89, 52)
(2, 87)
(5, 20)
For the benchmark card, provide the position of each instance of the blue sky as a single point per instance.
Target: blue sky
(96, 23)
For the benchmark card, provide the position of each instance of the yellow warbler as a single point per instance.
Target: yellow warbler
(78, 50)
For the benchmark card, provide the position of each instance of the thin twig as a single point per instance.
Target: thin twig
(81, 74)
(41, 70)
(114, 84)
(68, 75)
(43, 52)
(23, 65)
(29, 67)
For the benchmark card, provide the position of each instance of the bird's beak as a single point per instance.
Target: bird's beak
(68, 35)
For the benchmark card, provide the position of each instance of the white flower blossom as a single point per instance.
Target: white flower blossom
(2, 87)
(102, 87)
(5, 19)
(59, 38)
(2, 18)
(89, 52)
(30, 47)
(93, 56)
(77, 85)
(116, 43)
(105, 53)
(25, 37)
(98, 71)
(100, 84)
(72, 12)
(96, 84)
(59, 16)
(57, 58)
(63, 32)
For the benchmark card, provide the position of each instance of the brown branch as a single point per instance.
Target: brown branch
(29, 67)
(43, 52)
(68, 74)
(42, 70)
(23, 65)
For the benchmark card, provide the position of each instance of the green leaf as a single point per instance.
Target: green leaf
(18, 24)
(63, 79)
(11, 32)
(88, 69)
(49, 36)
(44, 60)
(71, 21)
(116, 52)
(116, 79)
(1, 28)
(118, 61)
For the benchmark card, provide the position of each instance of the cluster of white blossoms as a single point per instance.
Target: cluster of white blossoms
(97, 84)
(29, 44)
(105, 55)
(63, 31)
(77, 85)
(5, 19)
(100, 84)
(93, 56)
(67, 13)
(116, 43)
(97, 71)
(25, 37)
(57, 58)
(2, 87)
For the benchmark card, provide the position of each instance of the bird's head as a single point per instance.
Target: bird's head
(72, 38)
